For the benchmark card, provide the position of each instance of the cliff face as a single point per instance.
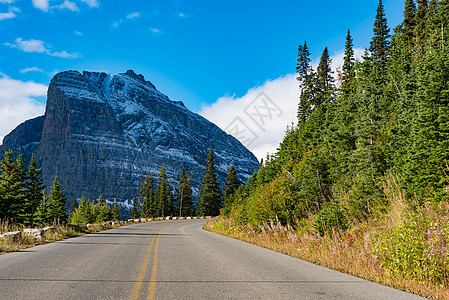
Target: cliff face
(102, 132)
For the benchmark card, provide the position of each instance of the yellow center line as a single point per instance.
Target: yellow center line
(152, 285)
(138, 285)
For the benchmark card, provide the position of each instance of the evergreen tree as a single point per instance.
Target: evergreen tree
(12, 204)
(210, 198)
(163, 198)
(409, 23)
(33, 190)
(103, 212)
(380, 44)
(324, 81)
(74, 207)
(58, 200)
(146, 192)
(41, 212)
(421, 20)
(348, 61)
(232, 182)
(115, 212)
(231, 185)
(185, 203)
(306, 81)
(433, 20)
(135, 212)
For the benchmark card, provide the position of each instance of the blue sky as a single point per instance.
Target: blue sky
(194, 51)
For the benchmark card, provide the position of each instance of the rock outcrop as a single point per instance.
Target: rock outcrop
(102, 132)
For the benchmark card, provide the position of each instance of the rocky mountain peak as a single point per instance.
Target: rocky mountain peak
(102, 132)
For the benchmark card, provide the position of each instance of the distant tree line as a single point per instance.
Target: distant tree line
(89, 212)
(23, 199)
(157, 199)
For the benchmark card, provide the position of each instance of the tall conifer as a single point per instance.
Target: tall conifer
(210, 198)
(348, 61)
(409, 23)
(58, 202)
(33, 189)
(380, 43)
(146, 192)
(184, 199)
(306, 81)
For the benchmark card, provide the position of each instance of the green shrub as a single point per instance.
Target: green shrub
(416, 249)
(330, 218)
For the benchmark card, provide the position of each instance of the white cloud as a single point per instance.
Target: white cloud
(65, 54)
(68, 5)
(183, 15)
(33, 69)
(31, 45)
(10, 14)
(91, 3)
(39, 46)
(41, 4)
(133, 15)
(155, 30)
(259, 118)
(116, 24)
(78, 32)
(17, 102)
(7, 1)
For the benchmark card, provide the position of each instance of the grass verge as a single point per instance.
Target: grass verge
(399, 255)
(58, 233)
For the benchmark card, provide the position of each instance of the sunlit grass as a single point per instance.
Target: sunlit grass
(406, 248)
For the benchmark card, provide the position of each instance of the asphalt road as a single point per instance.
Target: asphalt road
(171, 260)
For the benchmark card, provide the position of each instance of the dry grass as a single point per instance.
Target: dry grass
(57, 234)
(403, 249)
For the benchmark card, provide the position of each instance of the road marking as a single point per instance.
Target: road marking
(152, 285)
(138, 285)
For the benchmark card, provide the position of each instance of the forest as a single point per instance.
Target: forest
(385, 114)
(365, 169)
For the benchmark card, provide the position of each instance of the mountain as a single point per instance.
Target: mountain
(102, 132)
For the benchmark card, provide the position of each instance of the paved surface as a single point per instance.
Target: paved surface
(171, 260)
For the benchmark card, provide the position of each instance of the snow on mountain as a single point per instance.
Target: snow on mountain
(102, 132)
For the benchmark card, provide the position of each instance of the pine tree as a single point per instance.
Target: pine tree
(232, 182)
(421, 20)
(58, 202)
(146, 192)
(433, 21)
(103, 213)
(348, 61)
(184, 199)
(306, 81)
(135, 212)
(74, 207)
(12, 175)
(33, 190)
(210, 198)
(231, 185)
(409, 23)
(41, 211)
(164, 196)
(324, 82)
(115, 212)
(380, 44)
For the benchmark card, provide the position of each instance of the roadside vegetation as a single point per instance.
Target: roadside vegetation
(52, 234)
(361, 183)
